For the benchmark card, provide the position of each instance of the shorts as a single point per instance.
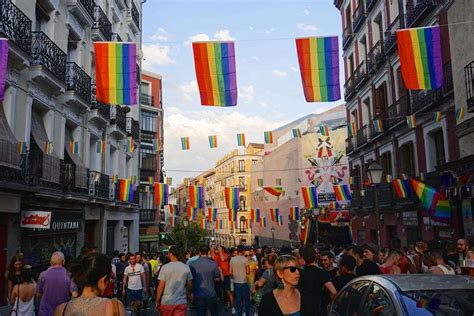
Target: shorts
(173, 310)
(134, 295)
(226, 283)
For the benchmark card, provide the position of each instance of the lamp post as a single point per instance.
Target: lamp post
(375, 172)
(185, 223)
(273, 236)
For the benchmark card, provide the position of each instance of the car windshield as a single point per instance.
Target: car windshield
(439, 302)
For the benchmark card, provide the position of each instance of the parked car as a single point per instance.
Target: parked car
(406, 294)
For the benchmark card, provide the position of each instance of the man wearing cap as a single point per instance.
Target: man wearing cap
(371, 252)
(363, 266)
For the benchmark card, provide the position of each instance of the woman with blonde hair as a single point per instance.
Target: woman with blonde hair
(286, 299)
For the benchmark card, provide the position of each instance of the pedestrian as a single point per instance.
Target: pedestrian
(13, 273)
(23, 294)
(115, 257)
(134, 283)
(238, 270)
(286, 299)
(363, 266)
(383, 254)
(55, 286)
(434, 260)
(347, 265)
(174, 279)
(92, 273)
(252, 267)
(327, 263)
(371, 252)
(266, 282)
(391, 263)
(205, 271)
(419, 253)
(222, 259)
(463, 246)
(120, 268)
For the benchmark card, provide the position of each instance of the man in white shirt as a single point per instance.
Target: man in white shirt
(133, 282)
(238, 270)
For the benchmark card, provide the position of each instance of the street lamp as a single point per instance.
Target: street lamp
(273, 236)
(375, 172)
(185, 223)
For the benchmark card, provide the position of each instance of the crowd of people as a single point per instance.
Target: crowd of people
(263, 280)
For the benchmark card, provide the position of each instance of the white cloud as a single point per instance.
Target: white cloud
(198, 38)
(160, 35)
(189, 90)
(306, 12)
(294, 69)
(223, 35)
(219, 35)
(279, 73)
(251, 28)
(246, 94)
(156, 55)
(306, 27)
(256, 58)
(270, 30)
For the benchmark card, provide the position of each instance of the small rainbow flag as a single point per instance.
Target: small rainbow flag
(324, 130)
(280, 220)
(116, 72)
(192, 212)
(48, 148)
(151, 180)
(196, 196)
(411, 121)
(459, 114)
(147, 189)
(203, 224)
(161, 194)
(212, 214)
(274, 213)
(352, 129)
(260, 182)
(295, 213)
(125, 190)
(296, 133)
(185, 143)
(318, 58)
(232, 198)
(436, 117)
(275, 191)
(186, 182)
(219, 224)
(241, 139)
(101, 146)
(343, 193)
(114, 178)
(263, 222)
(332, 205)
(169, 181)
(213, 141)
(268, 136)
(427, 195)
(215, 72)
(420, 57)
(432, 304)
(156, 145)
(310, 197)
(442, 211)
(378, 127)
(402, 188)
(351, 180)
(305, 233)
(133, 179)
(255, 215)
(232, 215)
(130, 145)
(74, 147)
(388, 178)
(22, 148)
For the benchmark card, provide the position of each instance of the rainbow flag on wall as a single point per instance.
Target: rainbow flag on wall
(3, 65)
(324, 130)
(420, 57)
(241, 139)
(275, 191)
(318, 58)
(21, 145)
(215, 72)
(305, 233)
(442, 212)
(156, 145)
(173, 208)
(352, 129)
(296, 133)
(411, 121)
(212, 214)
(48, 148)
(427, 195)
(196, 196)
(378, 127)
(116, 72)
(130, 145)
(255, 215)
(232, 214)
(169, 181)
(232, 198)
(192, 213)
(125, 190)
(133, 179)
(161, 194)
(310, 197)
(263, 222)
(295, 213)
(459, 114)
(74, 147)
(402, 188)
(213, 141)
(185, 143)
(332, 205)
(101, 146)
(280, 220)
(343, 192)
(268, 137)
(436, 117)
(274, 213)
(151, 180)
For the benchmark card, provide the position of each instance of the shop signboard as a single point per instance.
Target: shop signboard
(35, 219)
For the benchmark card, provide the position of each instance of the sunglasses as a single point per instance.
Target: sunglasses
(292, 269)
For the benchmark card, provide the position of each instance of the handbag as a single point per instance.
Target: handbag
(14, 311)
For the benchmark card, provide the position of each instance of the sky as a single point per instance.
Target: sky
(268, 79)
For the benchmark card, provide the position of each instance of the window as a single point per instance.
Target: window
(242, 184)
(243, 202)
(378, 302)
(148, 121)
(241, 165)
(407, 159)
(254, 162)
(148, 158)
(147, 200)
(361, 237)
(243, 224)
(437, 142)
(145, 88)
(386, 162)
(278, 182)
(260, 182)
(347, 302)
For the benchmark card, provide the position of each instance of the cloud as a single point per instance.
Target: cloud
(306, 12)
(246, 94)
(306, 27)
(256, 58)
(189, 90)
(294, 69)
(279, 73)
(270, 30)
(219, 35)
(223, 35)
(156, 55)
(251, 28)
(198, 38)
(160, 35)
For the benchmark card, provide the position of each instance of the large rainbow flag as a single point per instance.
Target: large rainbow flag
(310, 197)
(442, 212)
(116, 72)
(428, 196)
(215, 72)
(305, 233)
(420, 57)
(232, 198)
(196, 196)
(319, 66)
(125, 190)
(101, 146)
(161, 194)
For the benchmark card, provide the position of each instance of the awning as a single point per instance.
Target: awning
(8, 143)
(149, 238)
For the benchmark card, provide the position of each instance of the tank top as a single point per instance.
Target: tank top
(445, 270)
(91, 306)
(24, 308)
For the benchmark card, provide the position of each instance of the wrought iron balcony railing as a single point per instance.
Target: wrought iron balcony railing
(78, 81)
(349, 88)
(398, 111)
(135, 15)
(133, 128)
(356, 202)
(46, 53)
(99, 185)
(375, 58)
(362, 136)
(15, 25)
(360, 75)
(347, 36)
(469, 81)
(147, 99)
(11, 163)
(147, 215)
(390, 41)
(120, 118)
(45, 169)
(369, 5)
(74, 179)
(89, 6)
(358, 17)
(102, 108)
(421, 10)
(102, 23)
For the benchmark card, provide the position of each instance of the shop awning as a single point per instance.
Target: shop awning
(8, 143)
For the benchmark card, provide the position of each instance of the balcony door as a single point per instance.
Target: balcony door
(380, 104)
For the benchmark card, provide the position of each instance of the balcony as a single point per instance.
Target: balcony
(350, 144)
(349, 88)
(375, 58)
(74, 180)
(361, 75)
(45, 170)
(356, 202)
(398, 111)
(13, 168)
(83, 9)
(134, 18)
(385, 196)
(16, 26)
(102, 29)
(133, 128)
(373, 133)
(369, 5)
(362, 136)
(147, 99)
(469, 81)
(147, 215)
(116, 37)
(99, 185)
(347, 36)
(78, 84)
(48, 56)
(358, 18)
(420, 11)
(390, 42)
(118, 120)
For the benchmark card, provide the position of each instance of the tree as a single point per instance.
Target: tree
(189, 237)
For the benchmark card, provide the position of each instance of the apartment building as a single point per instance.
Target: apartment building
(374, 90)
(50, 104)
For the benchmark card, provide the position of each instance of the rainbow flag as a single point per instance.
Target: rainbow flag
(241, 139)
(295, 213)
(161, 194)
(172, 221)
(133, 179)
(275, 191)
(411, 121)
(343, 193)
(3, 65)
(436, 117)
(215, 72)
(192, 213)
(213, 141)
(172, 208)
(203, 224)
(116, 72)
(427, 195)
(101, 146)
(169, 181)
(268, 136)
(263, 222)
(114, 178)
(402, 188)
(151, 180)
(332, 205)
(218, 224)
(296, 133)
(196, 196)
(324, 130)
(260, 182)
(352, 129)
(442, 212)
(185, 143)
(319, 66)
(280, 220)
(125, 190)
(432, 304)
(186, 182)
(274, 213)
(255, 215)
(156, 145)
(48, 148)
(420, 57)
(232, 198)
(351, 180)
(232, 215)
(378, 127)
(74, 147)
(388, 178)
(212, 214)
(459, 114)
(305, 233)
(21, 145)
(310, 197)
(130, 145)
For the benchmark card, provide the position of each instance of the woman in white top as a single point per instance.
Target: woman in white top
(23, 295)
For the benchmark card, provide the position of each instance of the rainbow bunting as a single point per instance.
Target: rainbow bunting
(427, 195)
(411, 121)
(324, 130)
(442, 211)
(305, 233)
(296, 133)
(268, 137)
(232, 198)
(213, 141)
(280, 220)
(151, 180)
(101, 146)
(319, 66)
(161, 194)
(48, 148)
(275, 191)
(156, 145)
(212, 214)
(192, 213)
(420, 57)
(378, 127)
(125, 190)
(3, 65)
(263, 222)
(203, 224)
(196, 196)
(274, 213)
(255, 215)
(130, 145)
(352, 129)
(310, 197)
(295, 213)
(116, 72)
(74, 147)
(185, 143)
(459, 114)
(215, 72)
(343, 193)
(21, 146)
(169, 181)
(241, 139)
(402, 188)
(436, 117)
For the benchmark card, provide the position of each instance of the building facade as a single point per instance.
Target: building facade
(374, 90)
(50, 104)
